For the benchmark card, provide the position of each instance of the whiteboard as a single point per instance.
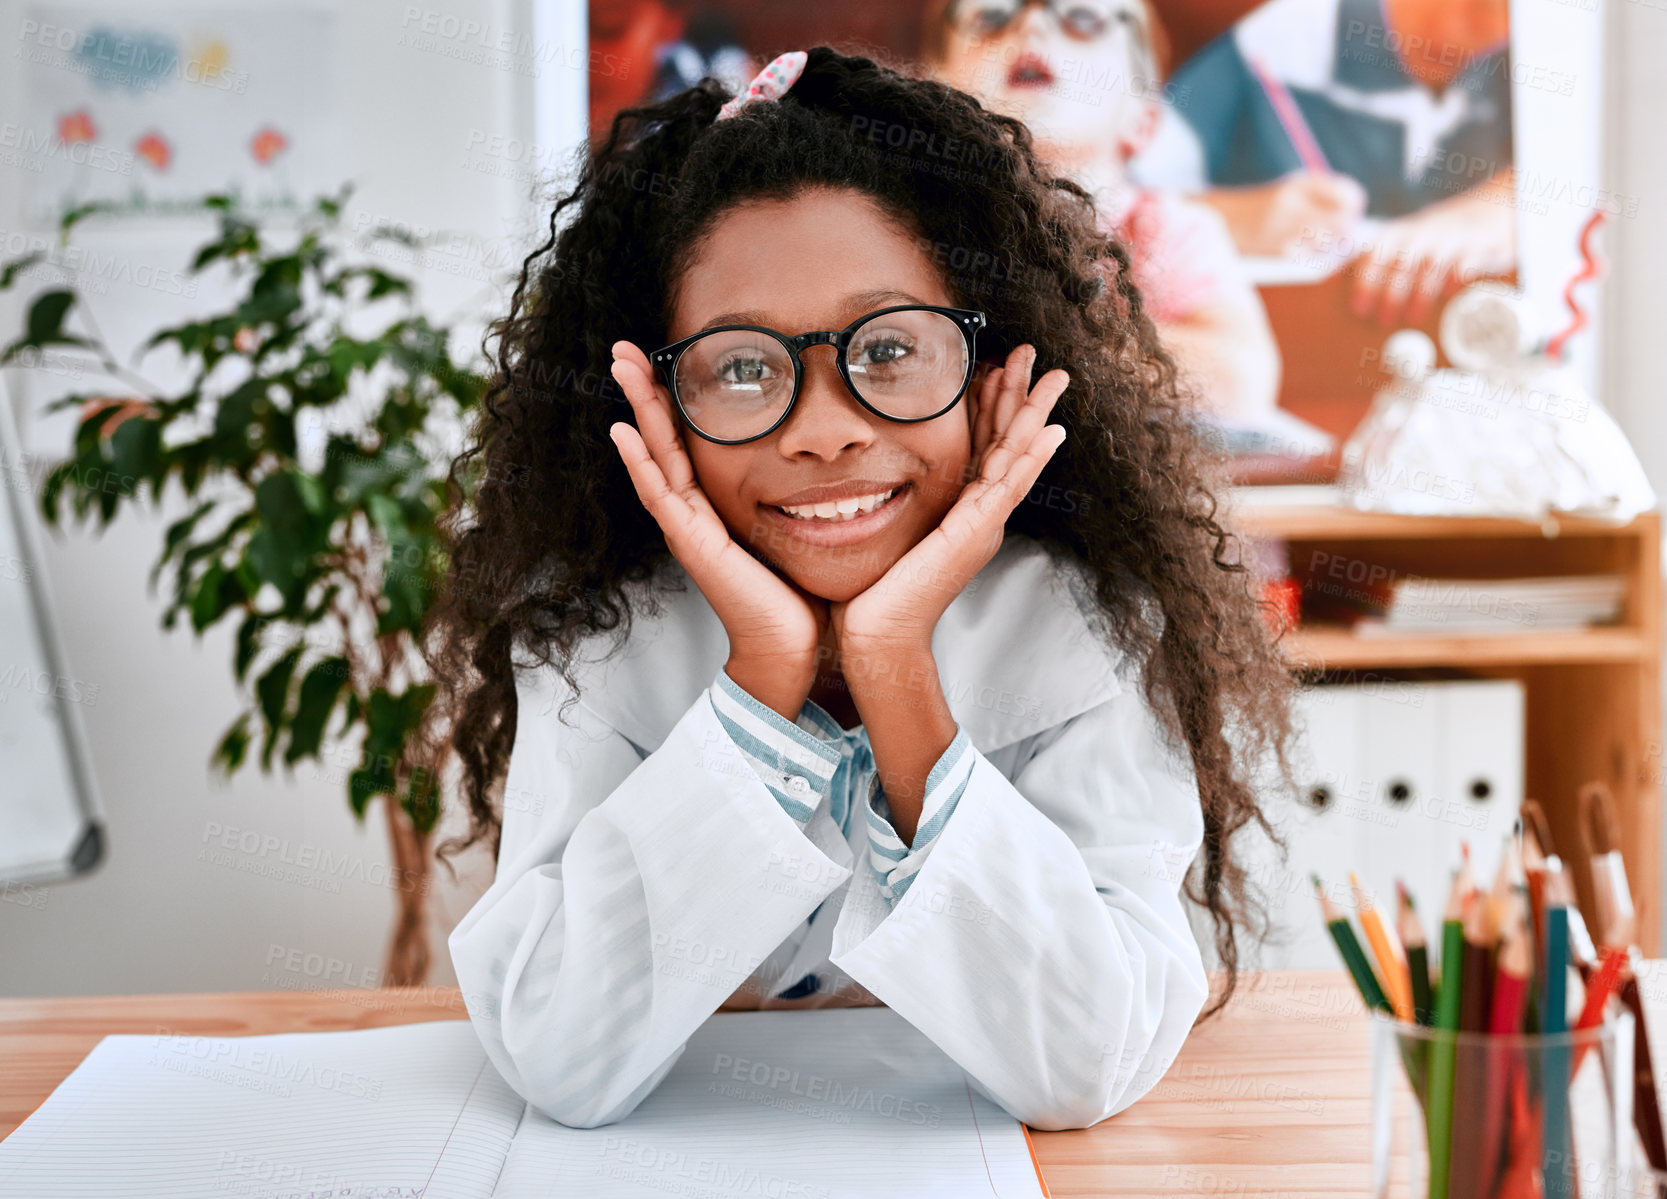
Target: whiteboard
(51, 824)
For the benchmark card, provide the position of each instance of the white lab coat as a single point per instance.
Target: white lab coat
(646, 872)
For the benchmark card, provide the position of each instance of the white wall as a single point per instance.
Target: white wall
(1636, 247)
(161, 914)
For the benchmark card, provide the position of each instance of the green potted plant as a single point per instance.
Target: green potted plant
(327, 566)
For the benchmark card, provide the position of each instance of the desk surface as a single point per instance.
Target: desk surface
(1269, 1097)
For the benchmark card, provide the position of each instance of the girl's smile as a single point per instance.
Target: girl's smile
(843, 522)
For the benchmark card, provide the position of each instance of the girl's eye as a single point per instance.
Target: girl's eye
(883, 350)
(987, 19)
(743, 370)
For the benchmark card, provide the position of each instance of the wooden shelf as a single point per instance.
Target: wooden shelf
(1593, 696)
(1338, 649)
(1296, 522)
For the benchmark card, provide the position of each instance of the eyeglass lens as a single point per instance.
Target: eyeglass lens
(1083, 19)
(735, 383)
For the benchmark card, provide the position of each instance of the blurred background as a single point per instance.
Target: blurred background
(251, 249)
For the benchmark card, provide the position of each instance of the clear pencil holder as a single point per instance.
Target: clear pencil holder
(1475, 1116)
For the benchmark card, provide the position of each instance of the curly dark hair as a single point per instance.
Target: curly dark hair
(555, 532)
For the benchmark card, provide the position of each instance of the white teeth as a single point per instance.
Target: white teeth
(839, 510)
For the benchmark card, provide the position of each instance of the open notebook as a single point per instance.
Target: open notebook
(819, 1104)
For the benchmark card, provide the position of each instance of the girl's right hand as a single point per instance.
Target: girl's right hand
(768, 620)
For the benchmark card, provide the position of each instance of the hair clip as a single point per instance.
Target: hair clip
(769, 84)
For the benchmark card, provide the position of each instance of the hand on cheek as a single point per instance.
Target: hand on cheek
(1011, 443)
(766, 618)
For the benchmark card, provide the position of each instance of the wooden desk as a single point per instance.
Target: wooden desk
(1270, 1097)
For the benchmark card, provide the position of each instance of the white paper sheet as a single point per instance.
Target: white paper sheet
(383, 1113)
(840, 1103)
(816, 1104)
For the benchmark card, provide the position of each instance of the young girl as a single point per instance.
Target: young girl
(930, 669)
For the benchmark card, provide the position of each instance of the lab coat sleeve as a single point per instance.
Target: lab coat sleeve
(1043, 944)
(634, 893)
(893, 863)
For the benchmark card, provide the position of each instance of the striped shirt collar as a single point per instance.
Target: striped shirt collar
(1015, 653)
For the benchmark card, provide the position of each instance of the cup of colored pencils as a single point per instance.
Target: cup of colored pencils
(1515, 1052)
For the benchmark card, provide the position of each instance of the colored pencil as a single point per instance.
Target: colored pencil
(1535, 847)
(1604, 983)
(1290, 118)
(1521, 1179)
(1444, 1050)
(1538, 854)
(1556, 1168)
(1478, 965)
(1353, 956)
(1505, 880)
(1510, 990)
(1516, 961)
(1386, 948)
(1418, 955)
(1472, 1075)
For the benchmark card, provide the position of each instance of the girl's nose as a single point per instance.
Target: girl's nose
(1031, 26)
(827, 418)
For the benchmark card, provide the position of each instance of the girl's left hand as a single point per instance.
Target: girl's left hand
(1011, 443)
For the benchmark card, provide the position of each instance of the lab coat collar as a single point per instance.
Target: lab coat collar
(1015, 653)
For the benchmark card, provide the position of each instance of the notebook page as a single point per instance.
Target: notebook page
(385, 1113)
(832, 1103)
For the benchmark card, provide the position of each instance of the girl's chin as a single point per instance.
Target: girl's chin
(838, 575)
(844, 576)
(834, 575)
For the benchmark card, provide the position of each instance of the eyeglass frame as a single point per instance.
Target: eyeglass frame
(1120, 15)
(968, 320)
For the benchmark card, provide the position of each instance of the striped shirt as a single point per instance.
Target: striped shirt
(814, 761)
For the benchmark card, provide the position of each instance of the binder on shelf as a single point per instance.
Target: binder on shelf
(1397, 829)
(1392, 777)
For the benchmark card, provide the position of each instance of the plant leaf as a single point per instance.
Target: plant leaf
(319, 692)
(177, 533)
(45, 326)
(217, 592)
(17, 266)
(388, 719)
(272, 690)
(229, 754)
(136, 448)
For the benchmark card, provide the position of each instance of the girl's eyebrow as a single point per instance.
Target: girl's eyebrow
(852, 306)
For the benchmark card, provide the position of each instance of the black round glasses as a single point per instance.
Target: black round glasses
(735, 383)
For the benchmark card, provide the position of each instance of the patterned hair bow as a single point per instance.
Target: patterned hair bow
(769, 84)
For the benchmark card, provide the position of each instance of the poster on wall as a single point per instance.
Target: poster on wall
(148, 109)
(1296, 179)
(1361, 156)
